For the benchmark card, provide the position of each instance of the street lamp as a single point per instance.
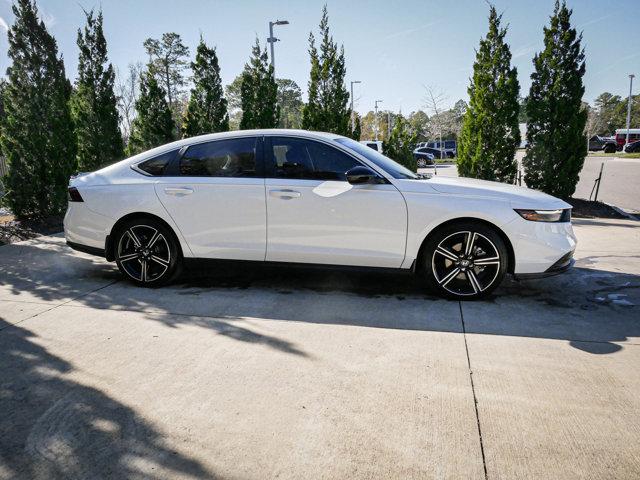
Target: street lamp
(631, 77)
(376, 115)
(353, 126)
(271, 40)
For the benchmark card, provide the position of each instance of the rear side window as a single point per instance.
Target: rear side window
(310, 160)
(157, 166)
(223, 158)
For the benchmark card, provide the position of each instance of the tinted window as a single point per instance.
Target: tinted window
(157, 166)
(373, 145)
(223, 158)
(392, 168)
(450, 144)
(306, 159)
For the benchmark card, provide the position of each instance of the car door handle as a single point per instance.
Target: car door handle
(178, 191)
(285, 194)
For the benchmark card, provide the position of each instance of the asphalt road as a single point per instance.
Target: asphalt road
(620, 181)
(295, 373)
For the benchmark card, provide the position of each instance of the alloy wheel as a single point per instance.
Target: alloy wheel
(144, 253)
(466, 263)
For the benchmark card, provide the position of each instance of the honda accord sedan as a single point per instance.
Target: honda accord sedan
(314, 198)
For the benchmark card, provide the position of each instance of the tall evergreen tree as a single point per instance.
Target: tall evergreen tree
(490, 134)
(169, 59)
(207, 108)
(401, 143)
(258, 92)
(37, 133)
(153, 125)
(327, 108)
(555, 132)
(93, 103)
(357, 128)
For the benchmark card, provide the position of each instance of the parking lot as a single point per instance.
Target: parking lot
(302, 373)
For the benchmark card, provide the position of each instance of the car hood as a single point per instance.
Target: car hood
(519, 197)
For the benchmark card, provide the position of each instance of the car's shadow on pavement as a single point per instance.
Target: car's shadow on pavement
(595, 310)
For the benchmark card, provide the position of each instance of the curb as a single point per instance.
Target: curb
(628, 215)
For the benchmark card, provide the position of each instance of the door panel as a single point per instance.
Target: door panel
(335, 223)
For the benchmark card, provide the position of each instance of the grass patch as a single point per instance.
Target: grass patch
(617, 154)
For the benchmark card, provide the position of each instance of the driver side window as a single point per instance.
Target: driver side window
(309, 160)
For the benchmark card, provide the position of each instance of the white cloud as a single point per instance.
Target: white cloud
(3, 24)
(524, 50)
(408, 31)
(48, 19)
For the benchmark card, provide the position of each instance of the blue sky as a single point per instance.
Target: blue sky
(393, 47)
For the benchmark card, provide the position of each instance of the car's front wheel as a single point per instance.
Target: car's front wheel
(465, 260)
(147, 253)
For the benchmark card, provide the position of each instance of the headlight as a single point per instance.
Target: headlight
(546, 215)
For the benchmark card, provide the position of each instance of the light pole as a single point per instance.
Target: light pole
(376, 115)
(353, 126)
(271, 40)
(631, 77)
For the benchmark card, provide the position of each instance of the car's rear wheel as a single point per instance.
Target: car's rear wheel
(147, 252)
(422, 163)
(465, 260)
(609, 149)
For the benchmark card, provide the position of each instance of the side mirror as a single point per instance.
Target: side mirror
(360, 175)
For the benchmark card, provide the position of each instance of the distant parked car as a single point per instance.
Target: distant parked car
(598, 143)
(374, 144)
(633, 147)
(449, 148)
(621, 136)
(425, 156)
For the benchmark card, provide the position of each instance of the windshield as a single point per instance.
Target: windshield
(392, 168)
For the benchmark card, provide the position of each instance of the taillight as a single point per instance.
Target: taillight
(74, 195)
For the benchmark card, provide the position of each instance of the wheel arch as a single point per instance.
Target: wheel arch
(109, 249)
(511, 254)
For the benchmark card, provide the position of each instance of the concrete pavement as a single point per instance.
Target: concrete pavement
(297, 372)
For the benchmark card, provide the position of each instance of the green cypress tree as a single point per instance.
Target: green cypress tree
(490, 134)
(259, 92)
(357, 128)
(93, 103)
(399, 146)
(207, 107)
(153, 125)
(37, 132)
(327, 108)
(555, 132)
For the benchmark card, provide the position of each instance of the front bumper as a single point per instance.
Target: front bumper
(565, 263)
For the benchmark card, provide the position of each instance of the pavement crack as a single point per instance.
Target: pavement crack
(473, 390)
(58, 305)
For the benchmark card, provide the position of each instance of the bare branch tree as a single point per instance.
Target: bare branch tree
(127, 94)
(438, 122)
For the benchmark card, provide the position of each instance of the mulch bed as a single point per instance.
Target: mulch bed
(12, 230)
(590, 209)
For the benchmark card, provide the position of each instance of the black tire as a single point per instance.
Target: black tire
(609, 149)
(147, 252)
(455, 270)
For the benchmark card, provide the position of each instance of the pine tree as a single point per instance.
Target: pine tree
(399, 146)
(207, 108)
(37, 134)
(327, 108)
(490, 134)
(555, 132)
(93, 103)
(259, 92)
(153, 125)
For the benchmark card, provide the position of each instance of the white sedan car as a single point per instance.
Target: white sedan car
(315, 198)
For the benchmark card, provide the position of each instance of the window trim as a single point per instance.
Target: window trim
(269, 160)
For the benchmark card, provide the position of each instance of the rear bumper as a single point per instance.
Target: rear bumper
(561, 266)
(86, 249)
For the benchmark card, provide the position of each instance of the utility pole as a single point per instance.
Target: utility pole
(376, 115)
(271, 40)
(631, 77)
(353, 124)
(388, 125)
